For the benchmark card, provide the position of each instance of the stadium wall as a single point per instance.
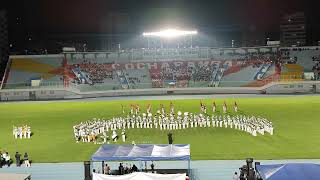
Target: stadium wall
(301, 87)
(35, 94)
(305, 87)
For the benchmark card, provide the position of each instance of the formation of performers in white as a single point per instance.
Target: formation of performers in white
(21, 132)
(92, 131)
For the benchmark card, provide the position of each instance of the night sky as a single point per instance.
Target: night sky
(90, 15)
(31, 18)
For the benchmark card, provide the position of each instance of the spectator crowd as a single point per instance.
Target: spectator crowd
(180, 74)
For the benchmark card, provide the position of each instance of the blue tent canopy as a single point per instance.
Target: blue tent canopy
(291, 171)
(142, 152)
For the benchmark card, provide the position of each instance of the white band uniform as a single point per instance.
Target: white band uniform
(90, 130)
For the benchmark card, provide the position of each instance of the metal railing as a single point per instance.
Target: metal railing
(27, 85)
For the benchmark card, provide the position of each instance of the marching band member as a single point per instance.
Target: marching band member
(235, 107)
(123, 135)
(214, 107)
(24, 131)
(122, 109)
(191, 120)
(201, 107)
(28, 132)
(131, 109)
(171, 108)
(114, 136)
(149, 108)
(90, 131)
(105, 137)
(213, 122)
(224, 108)
(138, 108)
(20, 132)
(163, 112)
(15, 132)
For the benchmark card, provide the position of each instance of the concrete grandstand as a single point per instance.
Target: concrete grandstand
(158, 68)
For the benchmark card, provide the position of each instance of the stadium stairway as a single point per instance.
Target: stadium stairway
(292, 72)
(21, 70)
(262, 82)
(218, 75)
(240, 78)
(269, 76)
(232, 69)
(304, 57)
(143, 75)
(235, 69)
(122, 79)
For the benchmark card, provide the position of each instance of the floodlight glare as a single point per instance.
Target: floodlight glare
(170, 33)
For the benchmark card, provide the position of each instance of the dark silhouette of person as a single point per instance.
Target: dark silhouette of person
(152, 167)
(134, 168)
(18, 159)
(1, 159)
(121, 169)
(242, 177)
(8, 159)
(170, 139)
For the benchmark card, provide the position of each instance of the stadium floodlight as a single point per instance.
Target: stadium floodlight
(169, 33)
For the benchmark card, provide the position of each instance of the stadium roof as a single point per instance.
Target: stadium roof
(289, 171)
(142, 152)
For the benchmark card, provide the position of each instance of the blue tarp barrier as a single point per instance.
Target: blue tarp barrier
(291, 171)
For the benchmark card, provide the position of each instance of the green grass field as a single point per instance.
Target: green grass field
(296, 121)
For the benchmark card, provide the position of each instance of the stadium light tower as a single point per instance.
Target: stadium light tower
(170, 34)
